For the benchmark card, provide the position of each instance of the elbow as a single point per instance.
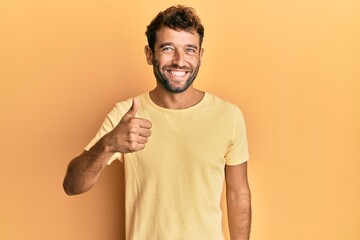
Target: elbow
(69, 188)
(68, 192)
(235, 195)
(71, 191)
(74, 188)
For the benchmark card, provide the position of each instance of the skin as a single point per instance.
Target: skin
(130, 135)
(176, 60)
(238, 199)
(175, 51)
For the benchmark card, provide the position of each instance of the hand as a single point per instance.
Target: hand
(131, 134)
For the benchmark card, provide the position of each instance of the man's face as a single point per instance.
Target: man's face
(176, 58)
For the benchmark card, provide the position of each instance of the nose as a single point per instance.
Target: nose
(179, 58)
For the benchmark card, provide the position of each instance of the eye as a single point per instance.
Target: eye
(191, 50)
(167, 49)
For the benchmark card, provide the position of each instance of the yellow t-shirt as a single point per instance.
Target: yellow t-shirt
(174, 185)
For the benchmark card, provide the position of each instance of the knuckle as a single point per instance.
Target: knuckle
(133, 146)
(131, 137)
(133, 120)
(132, 129)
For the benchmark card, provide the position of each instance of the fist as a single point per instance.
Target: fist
(132, 133)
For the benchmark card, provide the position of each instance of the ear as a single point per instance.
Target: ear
(201, 54)
(149, 55)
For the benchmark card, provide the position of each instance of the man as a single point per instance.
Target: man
(177, 143)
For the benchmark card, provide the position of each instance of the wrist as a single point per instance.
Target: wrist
(109, 144)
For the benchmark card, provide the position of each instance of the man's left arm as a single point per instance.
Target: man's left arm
(238, 198)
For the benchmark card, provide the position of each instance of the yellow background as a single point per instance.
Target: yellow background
(292, 67)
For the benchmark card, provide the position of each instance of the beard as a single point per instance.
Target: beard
(165, 82)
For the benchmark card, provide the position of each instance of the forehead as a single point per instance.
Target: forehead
(176, 37)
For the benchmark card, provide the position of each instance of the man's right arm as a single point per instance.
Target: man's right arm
(130, 135)
(84, 170)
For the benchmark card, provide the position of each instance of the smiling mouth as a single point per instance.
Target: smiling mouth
(177, 73)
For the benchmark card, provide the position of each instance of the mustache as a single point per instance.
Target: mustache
(177, 67)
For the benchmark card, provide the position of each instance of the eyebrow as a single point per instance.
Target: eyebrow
(192, 45)
(171, 44)
(165, 44)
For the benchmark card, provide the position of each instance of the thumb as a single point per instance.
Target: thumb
(134, 108)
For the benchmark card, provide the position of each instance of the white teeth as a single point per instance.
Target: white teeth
(177, 74)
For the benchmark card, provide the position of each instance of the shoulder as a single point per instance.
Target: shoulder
(123, 106)
(220, 103)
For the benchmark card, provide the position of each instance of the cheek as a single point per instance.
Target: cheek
(194, 62)
(163, 59)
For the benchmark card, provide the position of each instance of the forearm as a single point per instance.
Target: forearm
(130, 135)
(239, 215)
(84, 170)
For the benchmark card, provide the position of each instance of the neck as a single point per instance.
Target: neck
(166, 99)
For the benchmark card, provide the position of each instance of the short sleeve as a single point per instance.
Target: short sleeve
(238, 147)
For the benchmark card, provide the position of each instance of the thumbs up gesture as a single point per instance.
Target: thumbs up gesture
(131, 134)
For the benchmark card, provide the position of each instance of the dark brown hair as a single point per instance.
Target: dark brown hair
(178, 18)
